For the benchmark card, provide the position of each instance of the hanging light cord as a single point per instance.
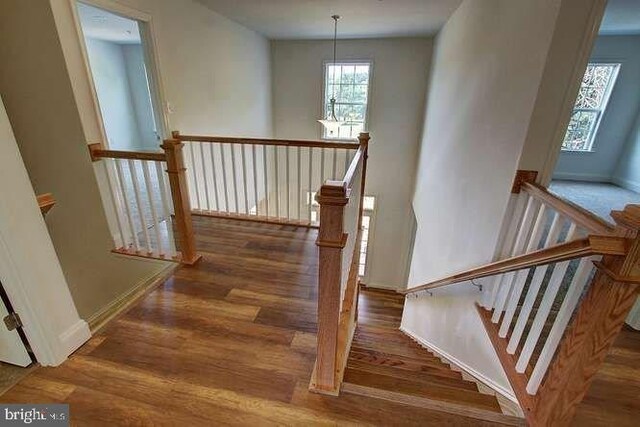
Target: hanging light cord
(335, 50)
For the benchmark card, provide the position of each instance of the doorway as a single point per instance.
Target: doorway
(119, 60)
(599, 163)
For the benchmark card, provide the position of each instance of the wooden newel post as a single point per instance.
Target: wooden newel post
(331, 241)
(595, 326)
(180, 196)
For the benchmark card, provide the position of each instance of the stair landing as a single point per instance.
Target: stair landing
(386, 364)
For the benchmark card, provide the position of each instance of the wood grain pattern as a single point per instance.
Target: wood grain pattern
(592, 245)
(45, 202)
(230, 341)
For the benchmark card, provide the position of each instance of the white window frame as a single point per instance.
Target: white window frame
(325, 66)
(599, 111)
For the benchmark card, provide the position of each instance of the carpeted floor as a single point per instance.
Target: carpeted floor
(597, 197)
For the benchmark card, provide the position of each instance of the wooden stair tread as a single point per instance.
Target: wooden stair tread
(425, 377)
(392, 349)
(413, 388)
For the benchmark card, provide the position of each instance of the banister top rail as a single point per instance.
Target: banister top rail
(353, 168)
(592, 245)
(266, 141)
(97, 153)
(577, 214)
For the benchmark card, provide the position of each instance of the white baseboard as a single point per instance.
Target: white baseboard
(72, 339)
(508, 394)
(107, 313)
(628, 184)
(581, 177)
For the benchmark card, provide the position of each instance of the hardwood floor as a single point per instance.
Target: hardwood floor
(228, 342)
(232, 342)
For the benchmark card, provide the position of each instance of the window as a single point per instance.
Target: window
(595, 90)
(349, 84)
(368, 208)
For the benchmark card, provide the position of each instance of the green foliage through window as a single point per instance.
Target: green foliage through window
(349, 84)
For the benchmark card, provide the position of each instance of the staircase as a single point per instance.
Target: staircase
(386, 364)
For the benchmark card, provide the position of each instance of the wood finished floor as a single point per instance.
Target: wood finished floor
(229, 342)
(232, 342)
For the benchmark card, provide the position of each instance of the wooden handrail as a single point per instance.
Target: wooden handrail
(592, 245)
(580, 216)
(266, 141)
(98, 152)
(45, 202)
(353, 168)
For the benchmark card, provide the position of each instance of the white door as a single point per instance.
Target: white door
(12, 349)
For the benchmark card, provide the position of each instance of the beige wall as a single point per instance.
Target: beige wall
(399, 78)
(485, 76)
(215, 74)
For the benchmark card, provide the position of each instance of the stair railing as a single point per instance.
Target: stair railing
(149, 201)
(554, 305)
(257, 179)
(338, 241)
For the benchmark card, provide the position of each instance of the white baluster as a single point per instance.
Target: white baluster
(224, 178)
(154, 215)
(115, 202)
(136, 192)
(545, 307)
(215, 179)
(310, 195)
(233, 176)
(578, 283)
(204, 177)
(166, 210)
(288, 186)
(127, 206)
(534, 286)
(299, 183)
(196, 186)
(322, 150)
(275, 149)
(244, 180)
(265, 170)
(518, 247)
(255, 179)
(346, 161)
(507, 247)
(335, 164)
(521, 276)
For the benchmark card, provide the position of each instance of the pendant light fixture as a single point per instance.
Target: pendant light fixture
(332, 124)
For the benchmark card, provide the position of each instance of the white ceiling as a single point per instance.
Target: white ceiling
(102, 25)
(621, 17)
(311, 19)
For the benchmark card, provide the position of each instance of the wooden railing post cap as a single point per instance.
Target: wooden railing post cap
(93, 148)
(171, 144)
(175, 134)
(628, 218)
(364, 137)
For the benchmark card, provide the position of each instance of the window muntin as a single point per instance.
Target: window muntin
(595, 90)
(349, 83)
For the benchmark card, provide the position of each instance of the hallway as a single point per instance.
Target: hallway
(231, 341)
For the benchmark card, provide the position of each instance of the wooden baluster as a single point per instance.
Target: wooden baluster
(597, 322)
(331, 241)
(180, 195)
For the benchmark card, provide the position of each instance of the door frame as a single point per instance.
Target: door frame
(149, 48)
